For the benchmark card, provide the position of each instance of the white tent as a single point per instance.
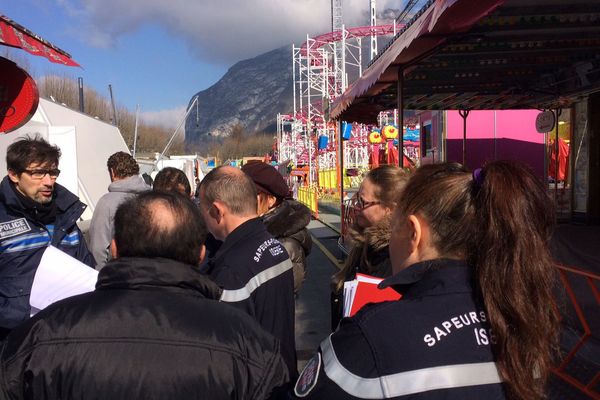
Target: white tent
(85, 143)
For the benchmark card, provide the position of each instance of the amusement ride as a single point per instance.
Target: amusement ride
(323, 67)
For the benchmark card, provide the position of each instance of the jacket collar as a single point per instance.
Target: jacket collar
(287, 218)
(252, 227)
(131, 184)
(156, 274)
(62, 197)
(432, 276)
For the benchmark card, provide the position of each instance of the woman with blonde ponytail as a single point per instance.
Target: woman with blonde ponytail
(477, 319)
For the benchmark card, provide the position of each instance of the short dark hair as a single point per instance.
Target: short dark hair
(171, 179)
(160, 224)
(30, 149)
(123, 165)
(232, 187)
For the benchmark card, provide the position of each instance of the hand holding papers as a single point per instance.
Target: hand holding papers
(59, 276)
(364, 290)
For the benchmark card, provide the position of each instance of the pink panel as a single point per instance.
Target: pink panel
(516, 138)
(518, 125)
(480, 125)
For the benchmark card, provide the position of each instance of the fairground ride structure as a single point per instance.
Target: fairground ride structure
(321, 69)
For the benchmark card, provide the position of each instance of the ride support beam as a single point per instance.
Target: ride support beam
(464, 114)
(400, 122)
(340, 164)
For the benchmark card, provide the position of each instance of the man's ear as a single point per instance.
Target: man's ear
(216, 211)
(13, 176)
(113, 249)
(202, 254)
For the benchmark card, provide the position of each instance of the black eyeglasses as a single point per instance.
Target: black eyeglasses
(41, 173)
(359, 204)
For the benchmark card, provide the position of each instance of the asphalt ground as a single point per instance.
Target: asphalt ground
(313, 321)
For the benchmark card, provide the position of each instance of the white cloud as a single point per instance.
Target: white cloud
(166, 118)
(219, 30)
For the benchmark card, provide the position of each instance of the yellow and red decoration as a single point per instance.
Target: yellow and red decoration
(390, 132)
(375, 137)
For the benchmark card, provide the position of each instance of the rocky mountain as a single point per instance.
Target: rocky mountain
(251, 94)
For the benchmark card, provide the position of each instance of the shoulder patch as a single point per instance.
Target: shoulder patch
(309, 376)
(14, 228)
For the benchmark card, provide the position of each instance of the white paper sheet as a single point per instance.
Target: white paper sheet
(59, 276)
(349, 292)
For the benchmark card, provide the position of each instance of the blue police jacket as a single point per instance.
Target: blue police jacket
(22, 244)
(434, 343)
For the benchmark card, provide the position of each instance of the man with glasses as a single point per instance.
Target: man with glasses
(35, 212)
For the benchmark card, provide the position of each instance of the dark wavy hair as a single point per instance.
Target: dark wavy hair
(160, 224)
(30, 149)
(501, 223)
(123, 165)
(171, 179)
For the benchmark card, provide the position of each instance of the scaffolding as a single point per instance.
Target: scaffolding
(373, 24)
(320, 68)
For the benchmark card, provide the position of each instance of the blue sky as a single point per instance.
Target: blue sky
(149, 67)
(159, 53)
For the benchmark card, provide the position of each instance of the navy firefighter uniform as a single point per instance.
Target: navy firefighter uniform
(24, 236)
(434, 343)
(255, 273)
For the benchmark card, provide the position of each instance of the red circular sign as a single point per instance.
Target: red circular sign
(19, 96)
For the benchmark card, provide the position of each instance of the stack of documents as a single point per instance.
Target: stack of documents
(364, 290)
(59, 276)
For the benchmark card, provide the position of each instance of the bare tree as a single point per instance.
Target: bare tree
(151, 138)
(242, 144)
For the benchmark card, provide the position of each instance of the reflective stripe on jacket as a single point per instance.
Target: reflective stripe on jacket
(22, 243)
(255, 273)
(434, 343)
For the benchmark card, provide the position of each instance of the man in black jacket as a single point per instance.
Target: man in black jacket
(251, 266)
(153, 329)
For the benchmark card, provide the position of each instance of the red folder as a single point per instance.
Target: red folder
(366, 291)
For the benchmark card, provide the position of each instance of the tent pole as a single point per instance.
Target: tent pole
(135, 131)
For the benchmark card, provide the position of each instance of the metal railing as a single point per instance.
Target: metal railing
(562, 370)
